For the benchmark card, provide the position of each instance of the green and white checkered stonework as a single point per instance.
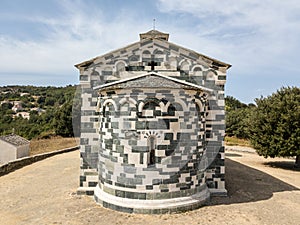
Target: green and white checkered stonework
(152, 127)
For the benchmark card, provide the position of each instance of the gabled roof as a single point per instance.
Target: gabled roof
(158, 36)
(151, 80)
(90, 61)
(14, 139)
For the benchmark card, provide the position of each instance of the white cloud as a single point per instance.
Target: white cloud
(74, 37)
(254, 31)
(259, 38)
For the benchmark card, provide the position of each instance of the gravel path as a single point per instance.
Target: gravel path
(260, 191)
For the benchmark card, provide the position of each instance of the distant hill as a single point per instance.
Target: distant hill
(32, 112)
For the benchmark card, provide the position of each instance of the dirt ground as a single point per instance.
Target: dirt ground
(260, 191)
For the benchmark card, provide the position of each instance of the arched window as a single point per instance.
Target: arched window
(174, 108)
(151, 109)
(171, 110)
(151, 147)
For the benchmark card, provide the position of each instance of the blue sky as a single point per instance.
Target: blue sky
(40, 41)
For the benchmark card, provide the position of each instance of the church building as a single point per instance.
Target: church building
(152, 127)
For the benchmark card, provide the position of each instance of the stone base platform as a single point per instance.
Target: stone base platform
(158, 206)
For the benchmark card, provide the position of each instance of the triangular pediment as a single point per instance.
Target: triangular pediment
(160, 41)
(151, 80)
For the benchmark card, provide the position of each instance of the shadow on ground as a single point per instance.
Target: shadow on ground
(283, 165)
(245, 184)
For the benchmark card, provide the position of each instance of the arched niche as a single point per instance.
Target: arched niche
(146, 56)
(211, 75)
(120, 66)
(200, 109)
(127, 107)
(174, 108)
(133, 59)
(173, 63)
(184, 66)
(151, 108)
(197, 70)
(158, 52)
(109, 107)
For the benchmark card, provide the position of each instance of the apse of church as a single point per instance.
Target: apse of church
(152, 127)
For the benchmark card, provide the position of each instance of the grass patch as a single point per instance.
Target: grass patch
(230, 141)
(38, 146)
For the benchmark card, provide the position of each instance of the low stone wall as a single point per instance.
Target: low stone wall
(239, 148)
(19, 163)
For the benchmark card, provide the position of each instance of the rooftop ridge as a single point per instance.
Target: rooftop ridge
(14, 139)
(154, 34)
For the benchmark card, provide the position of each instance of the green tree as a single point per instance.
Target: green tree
(6, 106)
(50, 101)
(237, 122)
(63, 120)
(232, 103)
(54, 99)
(76, 112)
(41, 100)
(275, 124)
(237, 117)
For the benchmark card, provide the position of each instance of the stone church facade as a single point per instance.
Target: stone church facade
(152, 127)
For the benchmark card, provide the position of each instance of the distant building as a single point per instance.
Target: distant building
(152, 127)
(13, 147)
(5, 102)
(17, 106)
(39, 110)
(5, 92)
(24, 115)
(35, 97)
(24, 94)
